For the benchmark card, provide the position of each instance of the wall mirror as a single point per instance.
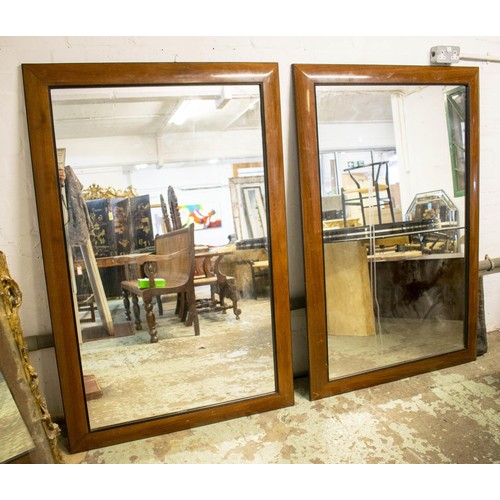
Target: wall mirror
(390, 249)
(156, 323)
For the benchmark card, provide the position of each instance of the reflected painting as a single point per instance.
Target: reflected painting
(161, 246)
(393, 229)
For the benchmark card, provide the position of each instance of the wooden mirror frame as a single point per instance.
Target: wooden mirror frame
(39, 80)
(306, 78)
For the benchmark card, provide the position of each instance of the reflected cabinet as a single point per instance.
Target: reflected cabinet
(390, 242)
(148, 247)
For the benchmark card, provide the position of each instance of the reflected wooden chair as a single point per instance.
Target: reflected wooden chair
(166, 217)
(259, 269)
(174, 262)
(207, 273)
(173, 206)
(173, 222)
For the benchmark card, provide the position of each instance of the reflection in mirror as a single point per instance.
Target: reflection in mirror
(394, 262)
(456, 114)
(15, 440)
(27, 433)
(121, 151)
(248, 203)
(390, 247)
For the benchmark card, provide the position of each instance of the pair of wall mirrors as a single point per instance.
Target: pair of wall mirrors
(389, 184)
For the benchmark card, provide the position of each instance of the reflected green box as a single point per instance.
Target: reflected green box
(144, 282)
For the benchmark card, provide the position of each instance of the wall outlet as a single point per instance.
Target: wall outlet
(445, 54)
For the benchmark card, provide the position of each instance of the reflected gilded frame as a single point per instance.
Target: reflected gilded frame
(39, 79)
(306, 78)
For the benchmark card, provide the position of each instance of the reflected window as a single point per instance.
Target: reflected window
(455, 108)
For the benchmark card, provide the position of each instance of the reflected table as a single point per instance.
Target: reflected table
(129, 262)
(404, 273)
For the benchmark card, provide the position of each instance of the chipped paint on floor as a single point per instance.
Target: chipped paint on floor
(448, 416)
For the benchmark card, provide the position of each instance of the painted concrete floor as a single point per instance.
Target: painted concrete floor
(451, 416)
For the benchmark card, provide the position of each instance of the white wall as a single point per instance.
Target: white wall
(341, 136)
(19, 233)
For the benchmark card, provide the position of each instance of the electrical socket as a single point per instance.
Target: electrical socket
(445, 54)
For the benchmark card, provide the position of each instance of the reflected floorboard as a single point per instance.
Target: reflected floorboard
(230, 360)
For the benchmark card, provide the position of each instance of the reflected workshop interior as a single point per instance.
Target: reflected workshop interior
(393, 218)
(166, 228)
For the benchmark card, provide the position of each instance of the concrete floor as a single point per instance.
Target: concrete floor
(449, 416)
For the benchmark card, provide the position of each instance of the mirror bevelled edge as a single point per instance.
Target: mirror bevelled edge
(39, 79)
(306, 78)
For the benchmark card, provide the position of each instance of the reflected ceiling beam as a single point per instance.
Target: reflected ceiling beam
(245, 110)
(225, 96)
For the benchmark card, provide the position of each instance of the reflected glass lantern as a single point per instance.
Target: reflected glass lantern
(435, 205)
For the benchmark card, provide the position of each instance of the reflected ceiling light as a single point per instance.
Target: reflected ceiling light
(189, 109)
(213, 161)
(141, 166)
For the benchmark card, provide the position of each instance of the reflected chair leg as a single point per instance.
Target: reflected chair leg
(344, 214)
(229, 290)
(389, 195)
(254, 285)
(361, 204)
(234, 296)
(377, 198)
(159, 303)
(137, 312)
(222, 292)
(192, 315)
(184, 308)
(180, 308)
(126, 303)
(150, 317)
(213, 292)
(178, 305)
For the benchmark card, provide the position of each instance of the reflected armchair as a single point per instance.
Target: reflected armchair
(174, 263)
(207, 273)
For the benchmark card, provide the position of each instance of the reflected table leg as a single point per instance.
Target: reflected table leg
(126, 303)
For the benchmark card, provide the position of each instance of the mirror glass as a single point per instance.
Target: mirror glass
(393, 229)
(27, 433)
(123, 152)
(15, 439)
